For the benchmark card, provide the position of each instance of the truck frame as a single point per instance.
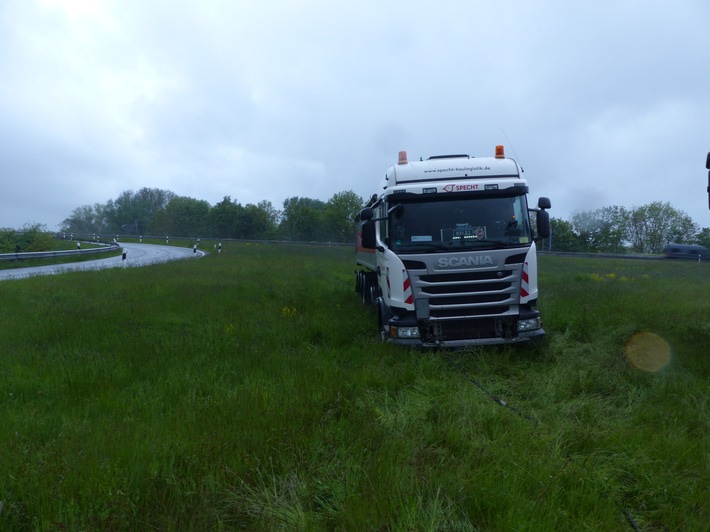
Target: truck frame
(446, 253)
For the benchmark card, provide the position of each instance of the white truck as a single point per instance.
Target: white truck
(446, 253)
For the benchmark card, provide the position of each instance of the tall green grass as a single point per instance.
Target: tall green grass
(248, 390)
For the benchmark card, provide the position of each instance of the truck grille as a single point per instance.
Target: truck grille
(460, 295)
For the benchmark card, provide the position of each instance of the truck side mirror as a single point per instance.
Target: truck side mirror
(365, 214)
(544, 203)
(368, 235)
(543, 224)
(543, 218)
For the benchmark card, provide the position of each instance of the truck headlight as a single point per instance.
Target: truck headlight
(529, 325)
(404, 332)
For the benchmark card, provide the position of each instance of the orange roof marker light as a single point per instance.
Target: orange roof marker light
(402, 157)
(500, 152)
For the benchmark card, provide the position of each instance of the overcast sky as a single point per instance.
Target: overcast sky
(604, 103)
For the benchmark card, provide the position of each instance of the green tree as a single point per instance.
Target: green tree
(702, 237)
(30, 237)
(225, 219)
(85, 219)
(563, 236)
(602, 230)
(146, 204)
(339, 216)
(259, 221)
(652, 226)
(302, 219)
(182, 216)
(137, 209)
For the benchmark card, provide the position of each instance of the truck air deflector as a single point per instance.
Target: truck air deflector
(456, 178)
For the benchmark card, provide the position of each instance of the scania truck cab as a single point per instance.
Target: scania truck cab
(447, 254)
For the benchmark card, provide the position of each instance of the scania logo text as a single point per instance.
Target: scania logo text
(457, 262)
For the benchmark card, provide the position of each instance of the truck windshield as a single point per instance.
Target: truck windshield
(470, 223)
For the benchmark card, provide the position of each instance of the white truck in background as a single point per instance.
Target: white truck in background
(447, 252)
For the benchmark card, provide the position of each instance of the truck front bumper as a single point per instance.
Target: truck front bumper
(406, 330)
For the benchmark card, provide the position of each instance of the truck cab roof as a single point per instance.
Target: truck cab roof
(454, 167)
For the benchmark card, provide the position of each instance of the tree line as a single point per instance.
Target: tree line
(156, 212)
(151, 211)
(644, 230)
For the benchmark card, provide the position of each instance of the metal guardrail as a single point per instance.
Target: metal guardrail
(598, 255)
(168, 240)
(114, 245)
(25, 255)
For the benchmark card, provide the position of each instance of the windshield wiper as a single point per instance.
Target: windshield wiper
(471, 244)
(424, 247)
(455, 245)
(500, 244)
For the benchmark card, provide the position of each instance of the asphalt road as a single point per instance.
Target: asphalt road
(136, 255)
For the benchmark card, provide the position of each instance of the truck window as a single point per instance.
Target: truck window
(470, 223)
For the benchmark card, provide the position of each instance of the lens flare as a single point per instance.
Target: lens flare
(648, 351)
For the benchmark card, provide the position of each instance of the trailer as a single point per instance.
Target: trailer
(446, 254)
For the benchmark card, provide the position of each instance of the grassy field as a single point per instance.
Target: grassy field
(248, 390)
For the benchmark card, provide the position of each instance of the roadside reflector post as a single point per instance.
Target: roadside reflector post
(166, 239)
(140, 238)
(123, 257)
(219, 249)
(78, 245)
(194, 249)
